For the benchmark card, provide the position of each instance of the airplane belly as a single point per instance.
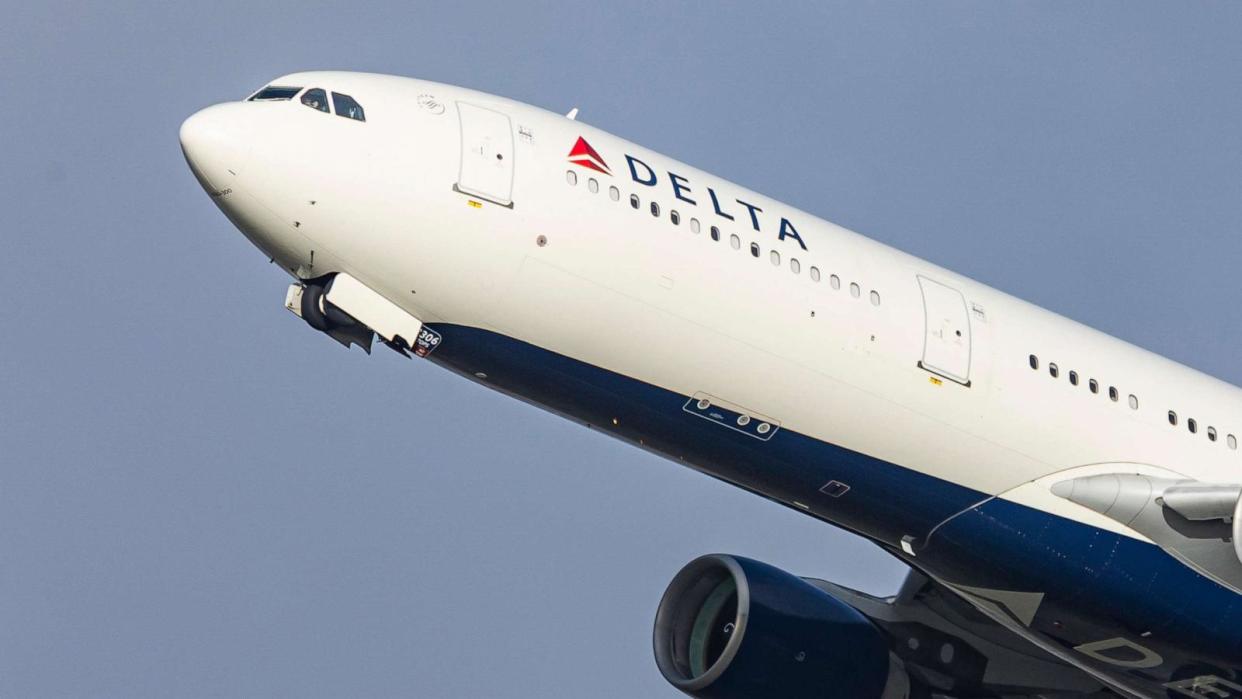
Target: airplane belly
(1103, 598)
(1098, 598)
(839, 485)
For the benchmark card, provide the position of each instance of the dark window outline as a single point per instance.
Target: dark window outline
(283, 93)
(336, 109)
(308, 95)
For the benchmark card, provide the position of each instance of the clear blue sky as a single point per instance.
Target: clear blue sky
(199, 496)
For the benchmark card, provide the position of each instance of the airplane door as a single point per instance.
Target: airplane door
(486, 154)
(946, 344)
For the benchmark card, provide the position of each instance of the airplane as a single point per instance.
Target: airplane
(1068, 504)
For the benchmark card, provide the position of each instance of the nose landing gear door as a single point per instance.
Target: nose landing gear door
(486, 154)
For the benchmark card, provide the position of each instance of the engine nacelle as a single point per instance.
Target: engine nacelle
(733, 628)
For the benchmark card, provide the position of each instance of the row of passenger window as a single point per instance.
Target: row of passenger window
(735, 241)
(1094, 386)
(1212, 435)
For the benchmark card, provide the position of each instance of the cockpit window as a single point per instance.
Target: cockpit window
(346, 106)
(316, 98)
(273, 93)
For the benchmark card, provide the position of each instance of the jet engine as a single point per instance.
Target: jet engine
(733, 628)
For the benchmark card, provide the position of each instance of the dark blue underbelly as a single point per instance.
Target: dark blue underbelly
(1097, 584)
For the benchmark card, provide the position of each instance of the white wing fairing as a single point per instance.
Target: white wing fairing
(1194, 522)
(964, 430)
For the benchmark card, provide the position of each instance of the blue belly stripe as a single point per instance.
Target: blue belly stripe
(1098, 585)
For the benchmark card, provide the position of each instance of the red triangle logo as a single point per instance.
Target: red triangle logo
(583, 154)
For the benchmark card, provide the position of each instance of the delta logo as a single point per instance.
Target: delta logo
(583, 154)
(725, 207)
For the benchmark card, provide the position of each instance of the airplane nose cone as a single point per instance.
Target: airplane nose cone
(216, 143)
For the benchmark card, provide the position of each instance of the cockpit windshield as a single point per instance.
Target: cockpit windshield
(273, 93)
(347, 107)
(316, 98)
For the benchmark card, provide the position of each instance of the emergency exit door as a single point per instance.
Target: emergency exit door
(946, 343)
(486, 154)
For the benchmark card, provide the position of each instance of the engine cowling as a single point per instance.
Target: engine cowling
(734, 628)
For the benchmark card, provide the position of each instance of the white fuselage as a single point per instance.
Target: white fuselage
(840, 355)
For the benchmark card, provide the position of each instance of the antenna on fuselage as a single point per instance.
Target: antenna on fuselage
(573, 114)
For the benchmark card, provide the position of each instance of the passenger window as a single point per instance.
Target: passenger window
(1173, 418)
(835, 281)
(592, 185)
(1054, 370)
(1211, 433)
(694, 225)
(1073, 377)
(814, 274)
(775, 257)
(1113, 395)
(855, 290)
(1094, 386)
(571, 177)
(1192, 426)
(674, 217)
(655, 209)
(1133, 402)
(347, 107)
(875, 298)
(273, 93)
(316, 99)
(634, 200)
(715, 233)
(1033, 361)
(1232, 441)
(614, 194)
(735, 241)
(795, 266)
(754, 249)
